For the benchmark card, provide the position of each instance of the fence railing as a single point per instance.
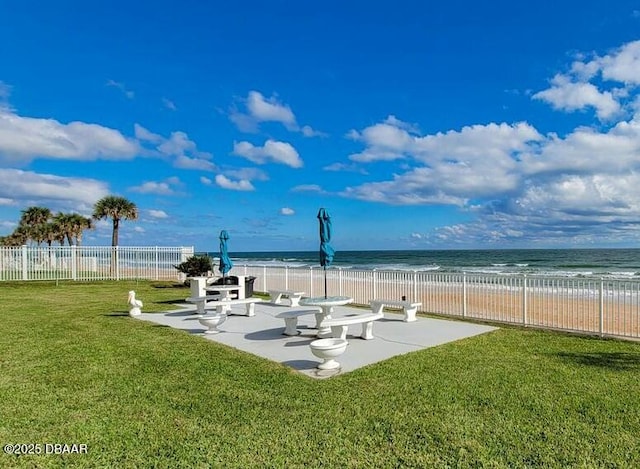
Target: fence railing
(91, 262)
(595, 306)
(589, 305)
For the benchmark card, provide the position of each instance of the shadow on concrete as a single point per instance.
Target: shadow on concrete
(301, 364)
(266, 334)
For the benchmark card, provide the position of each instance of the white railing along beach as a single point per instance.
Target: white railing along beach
(91, 262)
(606, 307)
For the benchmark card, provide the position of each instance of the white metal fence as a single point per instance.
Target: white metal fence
(594, 306)
(91, 262)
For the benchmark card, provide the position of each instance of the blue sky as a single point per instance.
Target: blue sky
(418, 125)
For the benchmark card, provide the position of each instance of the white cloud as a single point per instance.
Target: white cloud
(169, 104)
(338, 166)
(129, 94)
(619, 71)
(152, 187)
(278, 152)
(384, 141)
(5, 92)
(160, 214)
(623, 64)
(24, 138)
(308, 188)
(265, 110)
(186, 162)
(260, 109)
(55, 192)
(287, 211)
(453, 167)
(251, 174)
(571, 96)
(307, 131)
(240, 185)
(206, 181)
(178, 147)
(522, 186)
(146, 135)
(587, 150)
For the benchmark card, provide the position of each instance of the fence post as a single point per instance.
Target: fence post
(264, 276)
(157, 273)
(524, 299)
(311, 281)
(24, 263)
(74, 263)
(464, 294)
(340, 280)
(286, 277)
(601, 307)
(375, 284)
(117, 253)
(415, 285)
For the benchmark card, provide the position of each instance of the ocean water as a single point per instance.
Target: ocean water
(606, 263)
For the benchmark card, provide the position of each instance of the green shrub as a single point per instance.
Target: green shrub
(195, 266)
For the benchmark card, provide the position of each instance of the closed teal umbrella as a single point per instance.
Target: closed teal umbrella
(326, 251)
(225, 260)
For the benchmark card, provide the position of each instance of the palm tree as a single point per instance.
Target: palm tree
(35, 216)
(72, 226)
(78, 225)
(33, 220)
(51, 230)
(116, 208)
(64, 224)
(18, 237)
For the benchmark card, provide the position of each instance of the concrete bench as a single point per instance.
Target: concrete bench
(200, 301)
(409, 308)
(225, 305)
(291, 319)
(340, 325)
(293, 296)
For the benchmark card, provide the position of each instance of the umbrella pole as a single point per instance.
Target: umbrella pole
(325, 282)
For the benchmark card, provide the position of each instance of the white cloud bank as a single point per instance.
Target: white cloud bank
(522, 185)
(56, 192)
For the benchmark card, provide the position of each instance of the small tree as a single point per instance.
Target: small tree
(116, 208)
(195, 266)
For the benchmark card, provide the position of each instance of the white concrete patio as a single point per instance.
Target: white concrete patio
(262, 335)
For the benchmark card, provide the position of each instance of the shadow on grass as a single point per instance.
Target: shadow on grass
(117, 314)
(613, 360)
(169, 285)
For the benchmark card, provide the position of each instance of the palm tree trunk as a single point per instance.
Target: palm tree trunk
(114, 236)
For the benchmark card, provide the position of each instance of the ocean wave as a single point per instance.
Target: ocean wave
(608, 264)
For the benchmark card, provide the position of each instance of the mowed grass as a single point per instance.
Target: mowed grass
(75, 369)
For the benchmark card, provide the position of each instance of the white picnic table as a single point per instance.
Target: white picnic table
(326, 305)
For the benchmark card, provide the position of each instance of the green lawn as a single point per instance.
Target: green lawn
(75, 369)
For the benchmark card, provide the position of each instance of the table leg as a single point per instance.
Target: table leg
(324, 331)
